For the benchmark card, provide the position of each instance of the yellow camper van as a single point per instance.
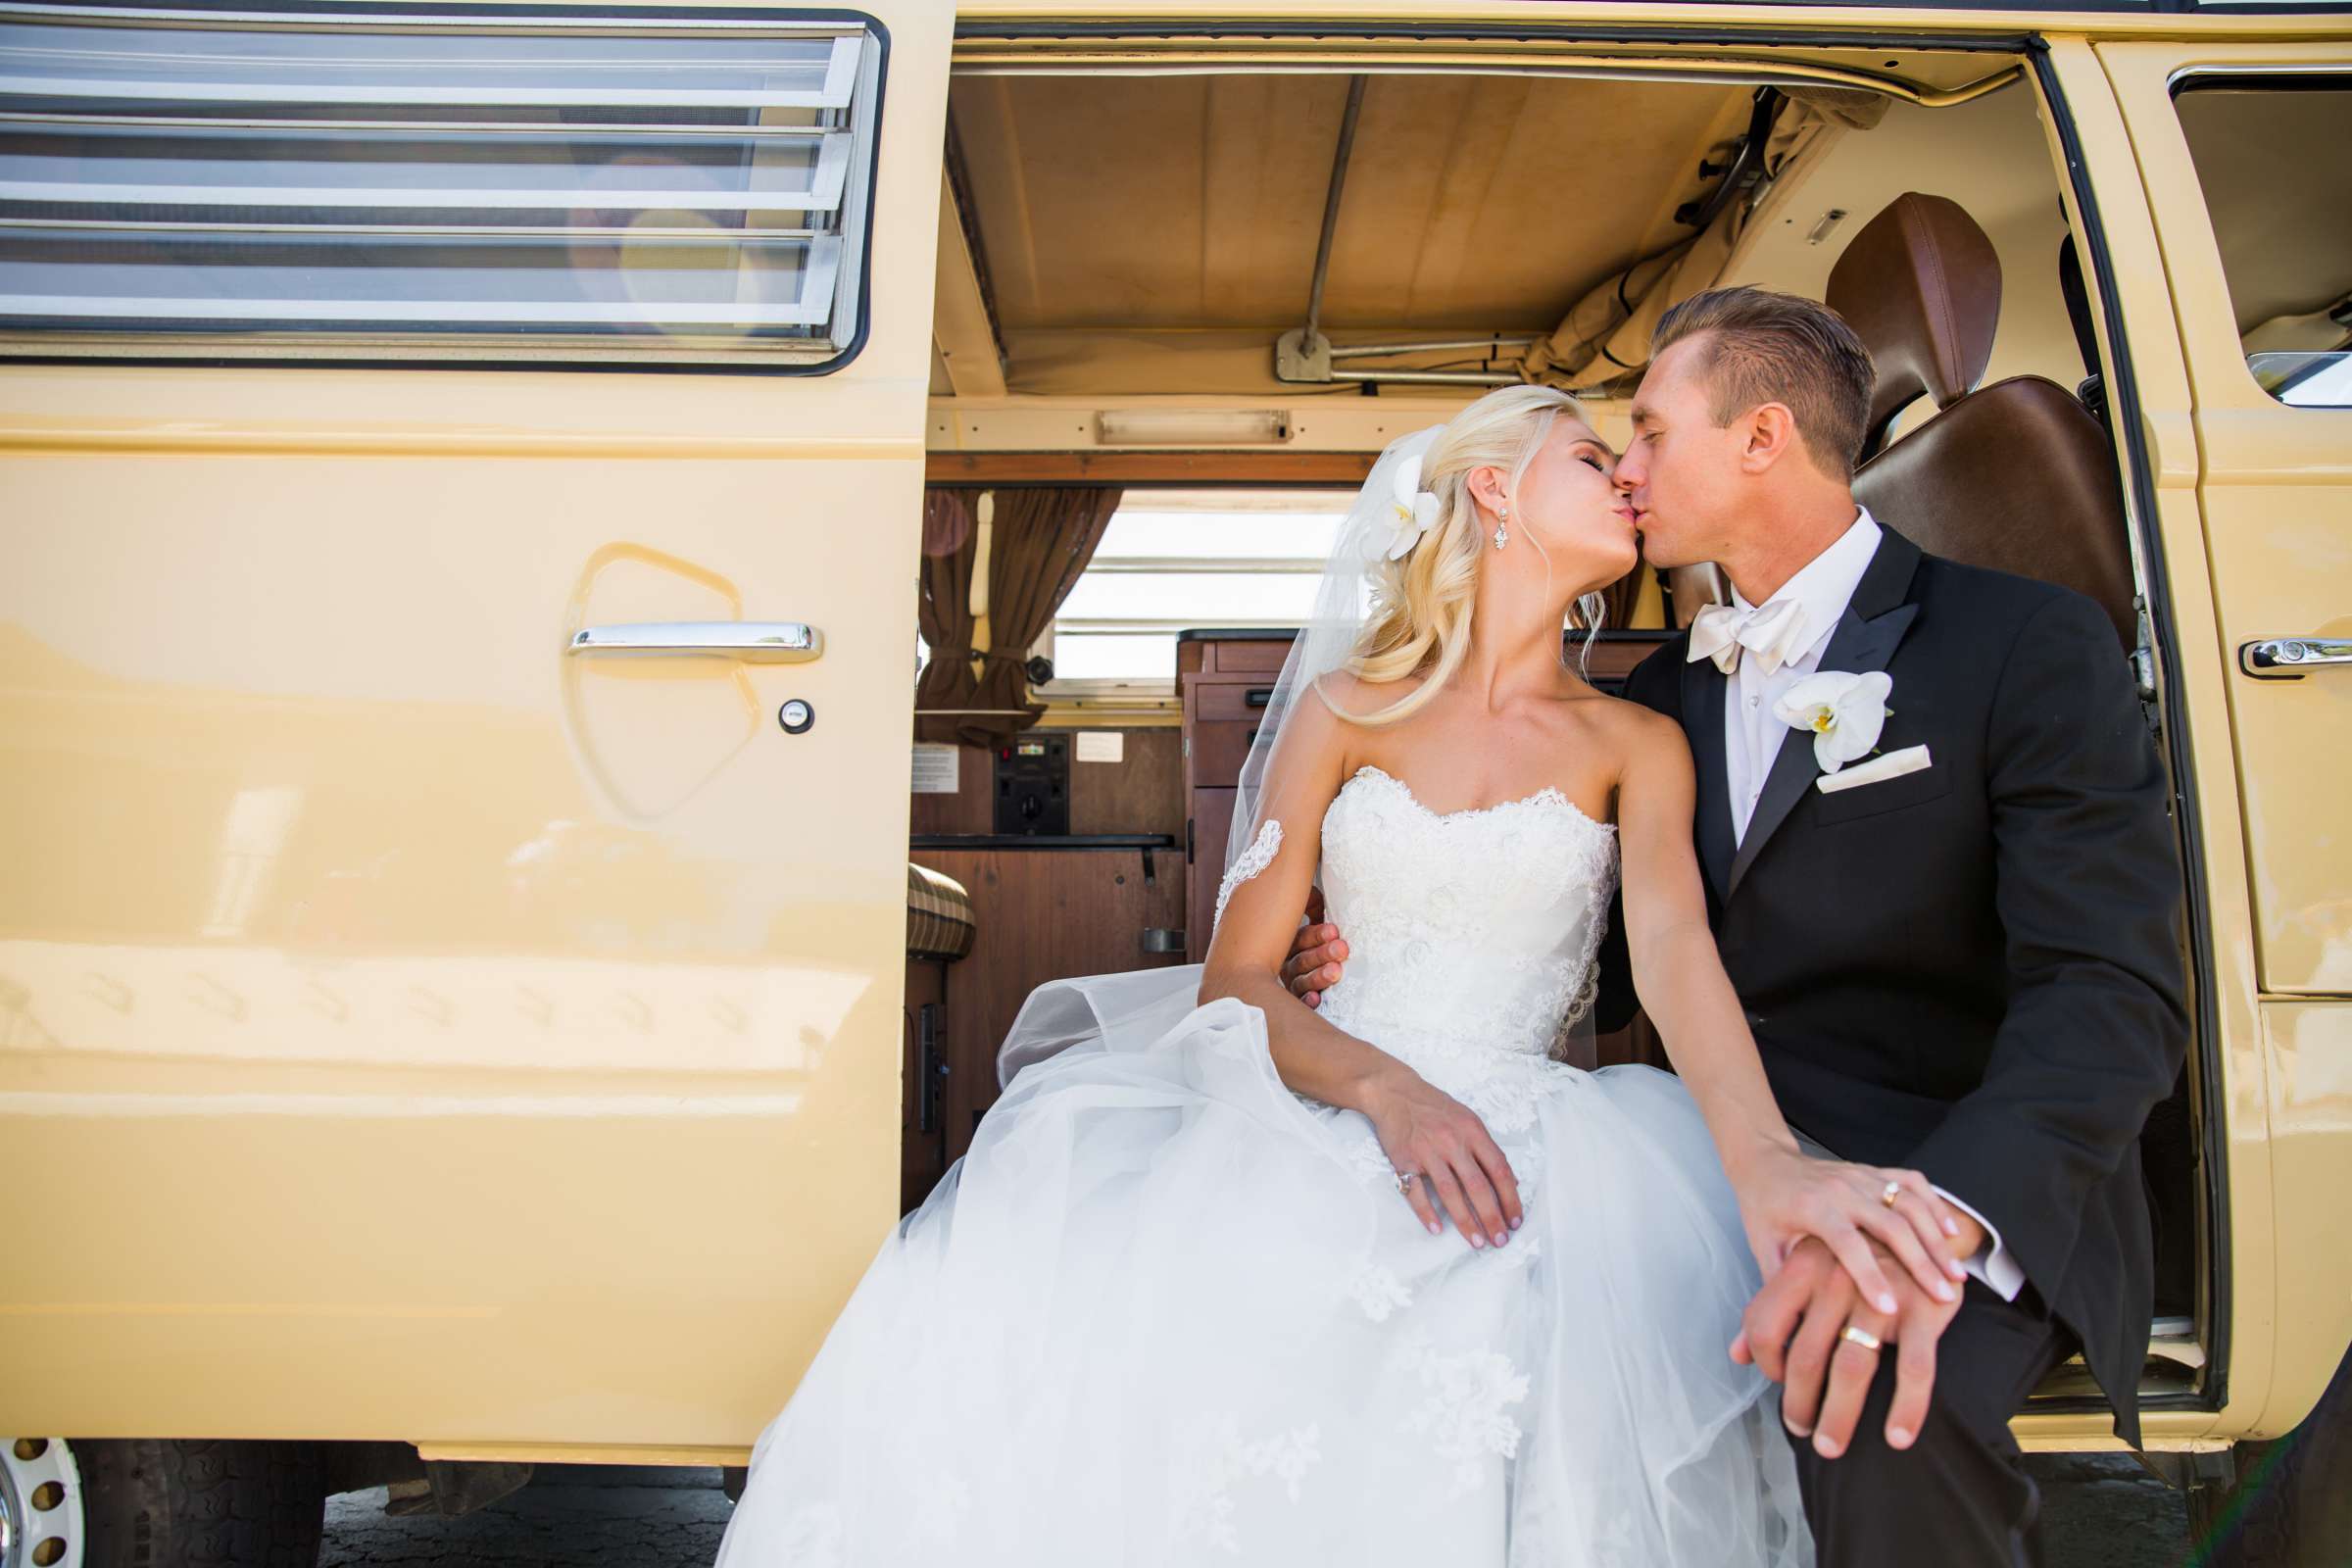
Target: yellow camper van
(494, 926)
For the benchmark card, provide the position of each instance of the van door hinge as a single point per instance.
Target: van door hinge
(2143, 666)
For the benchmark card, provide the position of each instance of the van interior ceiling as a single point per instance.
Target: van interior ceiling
(1200, 282)
(1158, 235)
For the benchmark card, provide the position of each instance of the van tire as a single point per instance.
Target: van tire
(2290, 1503)
(153, 1502)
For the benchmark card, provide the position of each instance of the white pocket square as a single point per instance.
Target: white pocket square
(1894, 764)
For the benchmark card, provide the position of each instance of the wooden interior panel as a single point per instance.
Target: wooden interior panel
(1242, 698)
(1213, 825)
(1238, 653)
(1220, 749)
(1044, 914)
(1143, 793)
(1253, 658)
(1636, 1043)
(1219, 723)
(968, 811)
(923, 1153)
(1613, 655)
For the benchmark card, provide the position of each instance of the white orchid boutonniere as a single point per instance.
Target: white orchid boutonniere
(1412, 514)
(1843, 711)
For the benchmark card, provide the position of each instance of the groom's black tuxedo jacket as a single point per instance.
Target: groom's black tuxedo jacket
(1974, 970)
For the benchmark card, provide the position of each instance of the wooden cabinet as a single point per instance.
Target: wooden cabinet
(1225, 679)
(922, 1116)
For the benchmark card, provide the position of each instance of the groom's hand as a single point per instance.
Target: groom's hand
(1316, 953)
(1792, 1332)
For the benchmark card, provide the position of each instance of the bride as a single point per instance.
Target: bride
(1223, 1278)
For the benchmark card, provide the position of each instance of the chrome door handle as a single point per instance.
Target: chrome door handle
(2291, 658)
(764, 642)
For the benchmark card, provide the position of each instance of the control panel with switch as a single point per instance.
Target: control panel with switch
(1033, 785)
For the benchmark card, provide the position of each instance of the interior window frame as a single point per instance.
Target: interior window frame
(1093, 696)
(2315, 75)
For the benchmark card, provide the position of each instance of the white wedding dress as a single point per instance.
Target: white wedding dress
(1166, 1312)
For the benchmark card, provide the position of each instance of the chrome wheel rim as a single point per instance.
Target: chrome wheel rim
(41, 1523)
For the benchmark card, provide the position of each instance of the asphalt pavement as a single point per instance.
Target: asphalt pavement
(2102, 1513)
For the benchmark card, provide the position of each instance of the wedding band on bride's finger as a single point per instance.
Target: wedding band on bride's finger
(1853, 1335)
(1889, 1192)
(1405, 1181)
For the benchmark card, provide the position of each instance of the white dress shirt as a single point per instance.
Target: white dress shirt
(1752, 737)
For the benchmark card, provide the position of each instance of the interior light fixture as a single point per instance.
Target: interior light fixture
(1191, 427)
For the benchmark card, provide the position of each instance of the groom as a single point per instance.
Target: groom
(1964, 963)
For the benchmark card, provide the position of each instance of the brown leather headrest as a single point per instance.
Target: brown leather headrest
(1922, 285)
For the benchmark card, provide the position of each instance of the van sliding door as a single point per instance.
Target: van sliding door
(463, 480)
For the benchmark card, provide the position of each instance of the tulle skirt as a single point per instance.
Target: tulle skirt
(1164, 1311)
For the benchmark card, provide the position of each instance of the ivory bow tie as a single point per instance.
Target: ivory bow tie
(1773, 631)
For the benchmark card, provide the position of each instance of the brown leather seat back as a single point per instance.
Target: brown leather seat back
(2017, 475)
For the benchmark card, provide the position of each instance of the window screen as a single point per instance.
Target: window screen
(1172, 560)
(442, 184)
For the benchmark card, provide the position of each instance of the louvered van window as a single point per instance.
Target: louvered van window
(642, 185)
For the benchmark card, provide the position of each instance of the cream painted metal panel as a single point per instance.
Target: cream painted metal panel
(2309, 1045)
(2275, 488)
(2277, 491)
(406, 1030)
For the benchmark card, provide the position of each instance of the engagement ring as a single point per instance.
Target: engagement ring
(1404, 1181)
(1889, 1192)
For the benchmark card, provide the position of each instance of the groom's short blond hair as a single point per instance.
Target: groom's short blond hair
(1764, 347)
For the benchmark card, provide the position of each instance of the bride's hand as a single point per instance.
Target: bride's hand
(1442, 1145)
(1785, 1195)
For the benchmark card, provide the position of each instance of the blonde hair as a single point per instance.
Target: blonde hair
(1420, 618)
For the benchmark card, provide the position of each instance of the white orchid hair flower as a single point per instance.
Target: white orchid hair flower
(1843, 711)
(1414, 513)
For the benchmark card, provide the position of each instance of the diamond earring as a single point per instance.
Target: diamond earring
(1503, 535)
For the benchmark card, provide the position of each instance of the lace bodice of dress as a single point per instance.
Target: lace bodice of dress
(1469, 933)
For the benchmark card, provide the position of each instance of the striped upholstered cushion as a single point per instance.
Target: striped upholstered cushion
(939, 915)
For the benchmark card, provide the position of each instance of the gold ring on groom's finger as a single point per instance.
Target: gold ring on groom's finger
(1889, 1192)
(1853, 1335)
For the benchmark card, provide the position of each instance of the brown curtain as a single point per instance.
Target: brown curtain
(1041, 538)
(1617, 600)
(944, 612)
